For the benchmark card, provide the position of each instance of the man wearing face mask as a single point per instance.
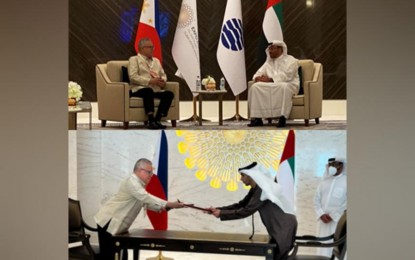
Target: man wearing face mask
(330, 200)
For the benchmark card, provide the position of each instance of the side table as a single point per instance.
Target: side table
(210, 92)
(81, 107)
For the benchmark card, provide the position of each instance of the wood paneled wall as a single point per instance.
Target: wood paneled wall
(103, 30)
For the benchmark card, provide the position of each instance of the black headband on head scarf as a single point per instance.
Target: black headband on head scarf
(332, 160)
(252, 165)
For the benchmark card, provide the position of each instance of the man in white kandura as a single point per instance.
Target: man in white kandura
(330, 200)
(276, 82)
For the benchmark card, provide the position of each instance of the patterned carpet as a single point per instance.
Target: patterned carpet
(227, 125)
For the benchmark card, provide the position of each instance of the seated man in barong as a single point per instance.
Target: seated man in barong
(276, 82)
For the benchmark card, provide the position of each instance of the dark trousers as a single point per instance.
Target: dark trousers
(107, 244)
(148, 95)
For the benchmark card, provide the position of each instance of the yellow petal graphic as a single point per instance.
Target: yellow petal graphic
(182, 147)
(189, 162)
(200, 175)
(215, 183)
(232, 186)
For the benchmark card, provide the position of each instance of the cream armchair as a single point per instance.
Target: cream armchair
(114, 102)
(309, 104)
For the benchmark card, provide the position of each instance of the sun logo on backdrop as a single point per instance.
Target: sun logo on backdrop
(217, 155)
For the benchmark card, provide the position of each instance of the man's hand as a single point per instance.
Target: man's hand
(214, 211)
(174, 205)
(157, 82)
(263, 78)
(326, 218)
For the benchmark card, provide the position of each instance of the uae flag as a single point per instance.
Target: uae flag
(148, 26)
(285, 175)
(158, 183)
(272, 24)
(272, 28)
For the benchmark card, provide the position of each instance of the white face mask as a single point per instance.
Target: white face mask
(332, 170)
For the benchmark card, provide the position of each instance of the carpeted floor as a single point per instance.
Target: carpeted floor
(227, 125)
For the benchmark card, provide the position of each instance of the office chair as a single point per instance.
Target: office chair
(77, 234)
(338, 244)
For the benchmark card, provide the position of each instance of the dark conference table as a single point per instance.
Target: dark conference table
(196, 242)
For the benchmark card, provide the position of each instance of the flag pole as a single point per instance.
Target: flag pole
(237, 116)
(194, 117)
(160, 257)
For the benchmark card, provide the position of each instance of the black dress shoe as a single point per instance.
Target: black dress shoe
(152, 125)
(256, 122)
(281, 121)
(159, 125)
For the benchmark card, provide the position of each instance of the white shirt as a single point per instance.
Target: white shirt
(123, 208)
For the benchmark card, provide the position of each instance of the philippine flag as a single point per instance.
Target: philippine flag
(148, 26)
(230, 54)
(158, 183)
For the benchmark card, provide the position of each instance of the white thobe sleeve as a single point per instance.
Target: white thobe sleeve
(261, 71)
(336, 215)
(342, 202)
(287, 71)
(317, 203)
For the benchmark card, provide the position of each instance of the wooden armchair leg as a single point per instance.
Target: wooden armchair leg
(135, 254)
(317, 120)
(124, 254)
(173, 123)
(306, 122)
(125, 125)
(103, 123)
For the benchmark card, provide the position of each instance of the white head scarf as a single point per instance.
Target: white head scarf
(270, 189)
(277, 43)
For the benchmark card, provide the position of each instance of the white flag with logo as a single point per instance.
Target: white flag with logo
(185, 48)
(230, 54)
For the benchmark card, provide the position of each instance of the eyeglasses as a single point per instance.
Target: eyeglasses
(147, 171)
(151, 47)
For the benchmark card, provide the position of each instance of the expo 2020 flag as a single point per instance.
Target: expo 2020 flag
(285, 175)
(148, 26)
(185, 48)
(158, 183)
(230, 54)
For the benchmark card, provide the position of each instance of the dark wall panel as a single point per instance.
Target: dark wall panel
(103, 30)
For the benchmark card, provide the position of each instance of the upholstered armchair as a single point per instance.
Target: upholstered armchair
(114, 102)
(307, 105)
